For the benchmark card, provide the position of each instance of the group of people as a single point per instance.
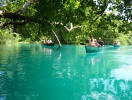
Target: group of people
(95, 43)
(48, 41)
(99, 43)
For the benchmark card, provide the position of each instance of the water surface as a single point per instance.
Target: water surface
(36, 72)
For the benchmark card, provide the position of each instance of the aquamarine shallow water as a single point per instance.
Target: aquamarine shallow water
(36, 72)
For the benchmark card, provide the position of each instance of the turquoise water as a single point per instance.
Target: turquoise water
(35, 72)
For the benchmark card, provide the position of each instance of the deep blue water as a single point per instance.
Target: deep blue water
(36, 72)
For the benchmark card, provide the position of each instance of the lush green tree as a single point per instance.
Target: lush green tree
(71, 20)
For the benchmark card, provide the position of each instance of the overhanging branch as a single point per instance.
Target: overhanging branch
(71, 27)
(12, 23)
(22, 19)
(68, 29)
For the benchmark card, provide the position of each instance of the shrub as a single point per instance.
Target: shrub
(8, 36)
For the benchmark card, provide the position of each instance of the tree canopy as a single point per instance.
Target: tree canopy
(71, 20)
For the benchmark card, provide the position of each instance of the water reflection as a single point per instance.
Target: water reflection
(110, 47)
(108, 89)
(124, 73)
(3, 84)
(13, 78)
(48, 50)
(93, 58)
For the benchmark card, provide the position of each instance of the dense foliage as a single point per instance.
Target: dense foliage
(72, 20)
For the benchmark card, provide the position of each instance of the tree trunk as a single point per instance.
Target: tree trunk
(57, 38)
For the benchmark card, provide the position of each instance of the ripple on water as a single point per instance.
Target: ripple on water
(99, 96)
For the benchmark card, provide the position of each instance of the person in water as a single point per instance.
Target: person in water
(100, 42)
(93, 42)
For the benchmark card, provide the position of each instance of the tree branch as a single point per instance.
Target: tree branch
(25, 6)
(57, 38)
(68, 29)
(11, 23)
(71, 27)
(26, 19)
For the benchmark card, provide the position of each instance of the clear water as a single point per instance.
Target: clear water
(35, 72)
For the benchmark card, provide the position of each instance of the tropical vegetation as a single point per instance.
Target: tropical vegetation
(72, 21)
